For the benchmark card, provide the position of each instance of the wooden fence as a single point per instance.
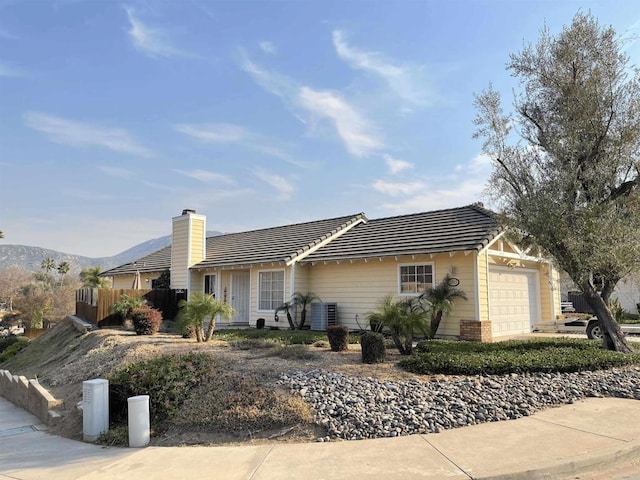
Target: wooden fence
(93, 304)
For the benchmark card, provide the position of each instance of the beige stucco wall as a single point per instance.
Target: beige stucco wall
(126, 281)
(483, 287)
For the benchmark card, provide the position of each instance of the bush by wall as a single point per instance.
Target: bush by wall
(338, 337)
(146, 320)
(373, 347)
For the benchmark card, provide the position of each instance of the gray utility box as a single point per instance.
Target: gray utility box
(323, 315)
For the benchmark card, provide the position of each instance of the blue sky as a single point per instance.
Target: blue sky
(114, 116)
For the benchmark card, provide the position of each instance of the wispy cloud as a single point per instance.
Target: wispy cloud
(396, 189)
(358, 135)
(272, 82)
(466, 185)
(206, 176)
(279, 183)
(9, 71)
(268, 47)
(223, 133)
(117, 172)
(82, 134)
(152, 41)
(395, 165)
(214, 132)
(407, 81)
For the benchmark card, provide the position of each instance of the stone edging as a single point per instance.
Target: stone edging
(29, 395)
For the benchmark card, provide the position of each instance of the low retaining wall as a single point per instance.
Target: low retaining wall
(29, 395)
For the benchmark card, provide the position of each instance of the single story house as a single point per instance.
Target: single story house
(352, 262)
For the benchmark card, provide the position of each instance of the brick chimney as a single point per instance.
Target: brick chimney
(188, 246)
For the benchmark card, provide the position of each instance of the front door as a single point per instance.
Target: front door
(240, 291)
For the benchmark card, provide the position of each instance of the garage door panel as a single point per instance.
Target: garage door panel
(513, 302)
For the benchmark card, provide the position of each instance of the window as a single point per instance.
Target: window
(415, 279)
(271, 289)
(210, 285)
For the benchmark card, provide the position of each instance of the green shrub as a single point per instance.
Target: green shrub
(10, 346)
(125, 305)
(338, 337)
(167, 380)
(471, 358)
(117, 436)
(373, 347)
(146, 320)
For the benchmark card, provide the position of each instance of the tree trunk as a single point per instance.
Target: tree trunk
(292, 325)
(435, 323)
(210, 328)
(612, 336)
(303, 318)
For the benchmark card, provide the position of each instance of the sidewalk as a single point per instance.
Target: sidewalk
(554, 443)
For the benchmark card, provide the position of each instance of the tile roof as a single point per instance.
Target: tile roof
(268, 245)
(276, 244)
(456, 229)
(154, 262)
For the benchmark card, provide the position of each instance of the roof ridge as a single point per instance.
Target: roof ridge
(340, 227)
(244, 232)
(473, 206)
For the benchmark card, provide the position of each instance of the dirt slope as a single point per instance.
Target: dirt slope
(63, 358)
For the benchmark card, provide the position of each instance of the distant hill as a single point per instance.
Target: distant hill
(30, 258)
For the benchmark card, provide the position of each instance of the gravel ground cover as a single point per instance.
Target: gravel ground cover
(354, 408)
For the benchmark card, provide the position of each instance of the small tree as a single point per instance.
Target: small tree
(286, 308)
(164, 280)
(63, 269)
(124, 306)
(566, 166)
(48, 264)
(200, 306)
(440, 300)
(404, 318)
(303, 300)
(91, 278)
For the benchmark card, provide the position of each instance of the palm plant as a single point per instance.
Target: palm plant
(125, 305)
(90, 277)
(286, 307)
(302, 300)
(441, 300)
(63, 269)
(48, 264)
(404, 318)
(194, 311)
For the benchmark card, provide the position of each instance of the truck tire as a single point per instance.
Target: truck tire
(593, 330)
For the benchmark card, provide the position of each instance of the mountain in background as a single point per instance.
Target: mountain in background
(30, 258)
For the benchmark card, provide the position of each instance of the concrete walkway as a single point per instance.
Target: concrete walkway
(554, 443)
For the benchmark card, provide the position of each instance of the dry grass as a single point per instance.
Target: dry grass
(243, 402)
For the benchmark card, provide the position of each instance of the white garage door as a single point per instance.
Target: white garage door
(513, 298)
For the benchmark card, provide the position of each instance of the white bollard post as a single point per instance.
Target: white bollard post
(139, 427)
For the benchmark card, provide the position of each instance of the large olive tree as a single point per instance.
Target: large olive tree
(567, 158)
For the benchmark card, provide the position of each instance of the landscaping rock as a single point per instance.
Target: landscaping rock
(354, 408)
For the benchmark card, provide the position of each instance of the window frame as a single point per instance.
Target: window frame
(417, 264)
(215, 284)
(260, 291)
